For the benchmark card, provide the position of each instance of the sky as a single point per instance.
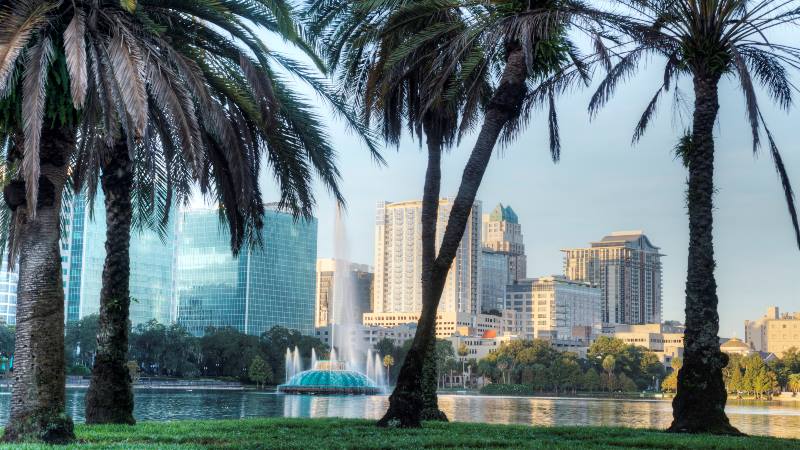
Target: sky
(604, 184)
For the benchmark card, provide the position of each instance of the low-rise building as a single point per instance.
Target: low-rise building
(773, 333)
(369, 335)
(666, 341)
(448, 323)
(480, 346)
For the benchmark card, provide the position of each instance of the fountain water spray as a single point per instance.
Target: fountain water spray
(287, 364)
(296, 366)
(353, 367)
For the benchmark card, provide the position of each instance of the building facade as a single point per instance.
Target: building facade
(263, 287)
(551, 308)
(448, 323)
(502, 233)
(356, 286)
(398, 260)
(8, 293)
(664, 340)
(494, 279)
(84, 253)
(774, 332)
(369, 335)
(627, 268)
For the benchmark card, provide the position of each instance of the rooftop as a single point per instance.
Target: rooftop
(503, 213)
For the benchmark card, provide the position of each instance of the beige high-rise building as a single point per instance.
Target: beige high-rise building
(773, 333)
(551, 307)
(627, 268)
(358, 287)
(502, 233)
(398, 260)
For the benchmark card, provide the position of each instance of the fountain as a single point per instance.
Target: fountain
(352, 367)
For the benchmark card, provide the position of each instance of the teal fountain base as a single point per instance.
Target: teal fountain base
(330, 378)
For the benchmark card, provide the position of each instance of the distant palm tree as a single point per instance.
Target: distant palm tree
(706, 40)
(388, 362)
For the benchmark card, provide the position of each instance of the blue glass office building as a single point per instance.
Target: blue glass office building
(262, 287)
(151, 282)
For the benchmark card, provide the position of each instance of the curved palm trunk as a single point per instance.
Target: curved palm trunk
(699, 405)
(110, 395)
(406, 402)
(38, 393)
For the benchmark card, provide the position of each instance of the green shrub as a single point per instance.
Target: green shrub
(508, 389)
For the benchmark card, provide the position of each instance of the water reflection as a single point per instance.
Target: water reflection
(750, 417)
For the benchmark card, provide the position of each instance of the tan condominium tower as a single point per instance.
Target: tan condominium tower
(627, 268)
(398, 260)
(773, 333)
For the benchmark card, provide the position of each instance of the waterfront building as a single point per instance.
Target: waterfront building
(83, 258)
(551, 307)
(355, 286)
(398, 260)
(369, 335)
(494, 279)
(774, 332)
(448, 323)
(479, 346)
(266, 285)
(502, 233)
(665, 340)
(627, 268)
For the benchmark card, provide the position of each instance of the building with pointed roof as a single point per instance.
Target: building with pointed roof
(503, 260)
(627, 268)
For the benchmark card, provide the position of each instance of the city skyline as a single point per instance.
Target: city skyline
(569, 204)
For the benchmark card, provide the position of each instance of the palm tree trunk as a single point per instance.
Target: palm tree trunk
(415, 392)
(110, 395)
(38, 393)
(405, 403)
(699, 405)
(430, 212)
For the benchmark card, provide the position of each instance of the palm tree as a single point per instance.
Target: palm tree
(706, 40)
(527, 40)
(37, 127)
(242, 109)
(90, 56)
(367, 44)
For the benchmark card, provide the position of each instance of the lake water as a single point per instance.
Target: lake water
(776, 419)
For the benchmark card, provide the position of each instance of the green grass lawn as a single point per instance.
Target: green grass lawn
(341, 433)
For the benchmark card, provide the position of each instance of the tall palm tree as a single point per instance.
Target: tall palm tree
(90, 56)
(517, 44)
(242, 110)
(367, 44)
(707, 40)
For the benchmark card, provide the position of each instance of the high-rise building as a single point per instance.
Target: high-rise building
(553, 307)
(84, 253)
(263, 287)
(355, 285)
(502, 233)
(398, 260)
(627, 268)
(494, 279)
(774, 332)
